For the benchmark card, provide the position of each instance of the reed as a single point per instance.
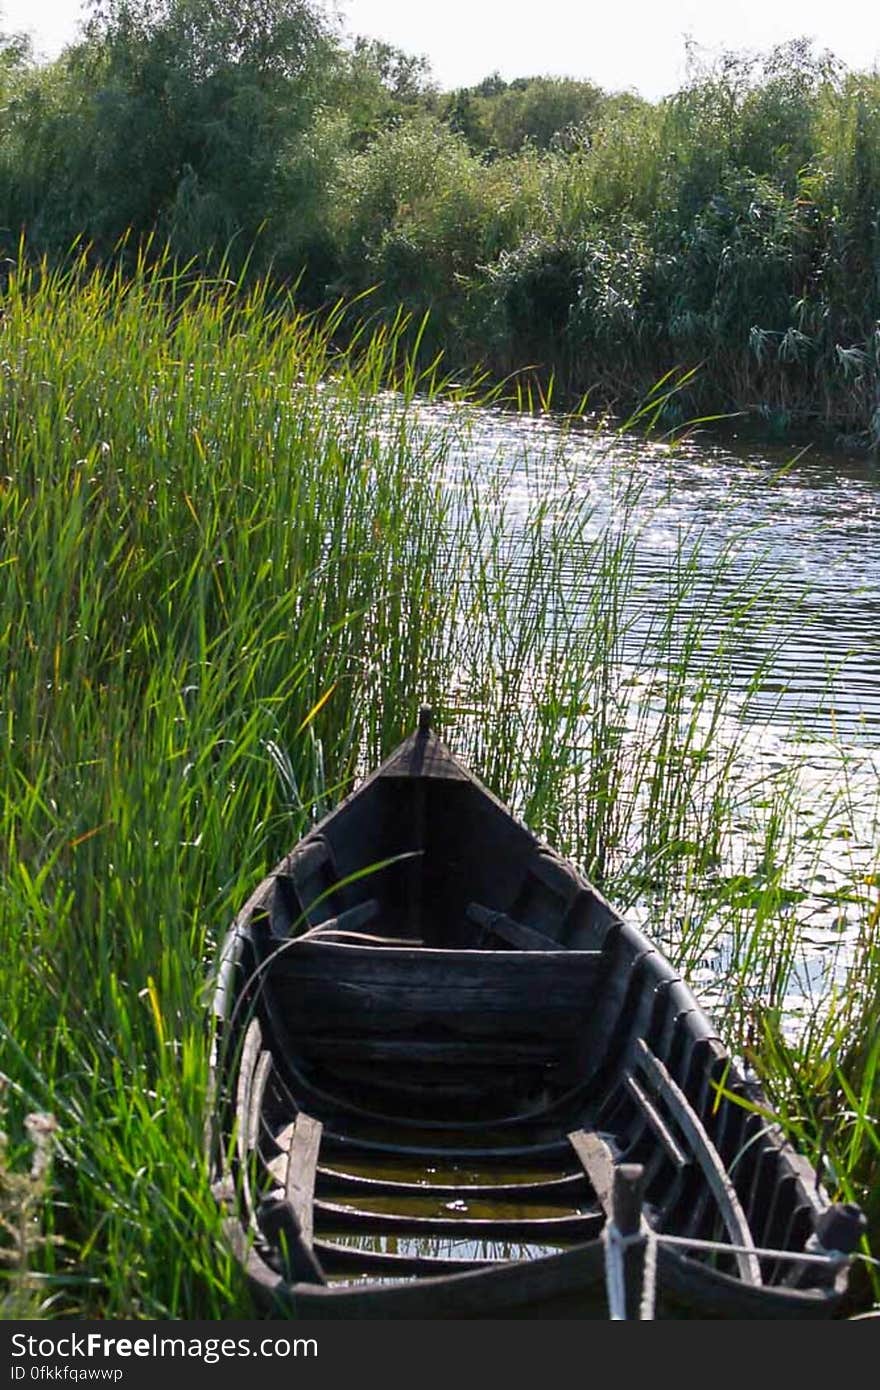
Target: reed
(233, 564)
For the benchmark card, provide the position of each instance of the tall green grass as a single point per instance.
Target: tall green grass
(233, 563)
(203, 538)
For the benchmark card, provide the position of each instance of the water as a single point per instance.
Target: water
(812, 521)
(799, 534)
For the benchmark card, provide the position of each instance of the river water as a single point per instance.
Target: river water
(804, 687)
(811, 519)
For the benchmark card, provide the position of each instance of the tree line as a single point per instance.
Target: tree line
(595, 239)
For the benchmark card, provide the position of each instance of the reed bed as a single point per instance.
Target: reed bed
(234, 563)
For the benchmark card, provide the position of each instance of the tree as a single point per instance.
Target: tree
(273, 38)
(539, 111)
(376, 85)
(404, 76)
(16, 51)
(194, 104)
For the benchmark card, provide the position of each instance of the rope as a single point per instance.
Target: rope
(617, 1245)
(834, 1257)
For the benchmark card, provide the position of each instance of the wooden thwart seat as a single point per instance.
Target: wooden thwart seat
(322, 986)
(505, 1226)
(472, 1052)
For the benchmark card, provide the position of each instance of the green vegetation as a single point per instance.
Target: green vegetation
(200, 540)
(231, 567)
(233, 563)
(596, 239)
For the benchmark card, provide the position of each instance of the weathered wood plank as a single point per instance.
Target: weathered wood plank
(531, 1153)
(431, 966)
(260, 1081)
(301, 1168)
(250, 1054)
(627, 1292)
(565, 1187)
(353, 919)
(626, 1197)
(661, 1130)
(478, 1052)
(597, 1160)
(280, 1225)
(398, 1088)
(514, 933)
(311, 869)
(557, 875)
(321, 985)
(708, 1158)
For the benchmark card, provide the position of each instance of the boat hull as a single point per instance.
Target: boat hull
(438, 1048)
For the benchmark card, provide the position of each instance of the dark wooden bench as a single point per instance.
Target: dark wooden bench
(337, 987)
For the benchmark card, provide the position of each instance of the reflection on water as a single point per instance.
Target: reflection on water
(790, 545)
(441, 1247)
(456, 1175)
(449, 1208)
(812, 522)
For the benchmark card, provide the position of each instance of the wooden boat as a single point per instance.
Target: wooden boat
(452, 1081)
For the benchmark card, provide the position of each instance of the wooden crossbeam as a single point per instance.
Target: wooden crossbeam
(661, 1130)
(514, 933)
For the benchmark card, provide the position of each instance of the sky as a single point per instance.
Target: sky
(635, 44)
